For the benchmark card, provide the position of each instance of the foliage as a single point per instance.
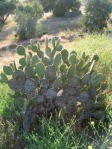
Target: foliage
(59, 7)
(6, 8)
(33, 8)
(26, 18)
(54, 80)
(97, 15)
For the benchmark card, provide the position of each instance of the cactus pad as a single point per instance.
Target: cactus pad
(21, 50)
(50, 94)
(7, 70)
(30, 86)
(29, 72)
(40, 70)
(50, 72)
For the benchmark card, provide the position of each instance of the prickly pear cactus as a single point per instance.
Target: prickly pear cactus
(55, 80)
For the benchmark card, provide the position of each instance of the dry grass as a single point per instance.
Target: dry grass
(7, 33)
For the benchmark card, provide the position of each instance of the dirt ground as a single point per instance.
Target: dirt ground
(66, 29)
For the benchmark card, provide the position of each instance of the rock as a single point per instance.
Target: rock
(60, 93)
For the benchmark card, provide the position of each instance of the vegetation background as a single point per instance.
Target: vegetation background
(70, 29)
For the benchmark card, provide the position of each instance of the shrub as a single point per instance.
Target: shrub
(55, 80)
(97, 15)
(6, 8)
(26, 18)
(59, 7)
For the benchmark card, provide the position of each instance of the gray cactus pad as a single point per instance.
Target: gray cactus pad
(44, 83)
(73, 82)
(16, 86)
(30, 86)
(84, 96)
(50, 72)
(40, 99)
(50, 94)
(26, 124)
(71, 91)
(19, 76)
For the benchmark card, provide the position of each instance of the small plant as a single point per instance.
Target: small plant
(55, 80)
(97, 15)
(6, 8)
(60, 7)
(26, 18)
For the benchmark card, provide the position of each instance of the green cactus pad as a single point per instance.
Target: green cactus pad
(57, 83)
(48, 51)
(22, 62)
(29, 71)
(71, 71)
(86, 79)
(53, 42)
(80, 64)
(14, 66)
(21, 67)
(20, 50)
(40, 70)
(4, 78)
(86, 58)
(94, 83)
(34, 48)
(28, 58)
(38, 46)
(40, 54)
(104, 86)
(58, 42)
(83, 55)
(64, 54)
(7, 70)
(72, 59)
(63, 67)
(87, 67)
(94, 75)
(46, 61)
(58, 48)
(29, 47)
(99, 77)
(19, 102)
(73, 52)
(95, 57)
(57, 60)
(46, 42)
(34, 60)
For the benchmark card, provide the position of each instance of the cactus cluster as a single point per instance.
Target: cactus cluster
(54, 79)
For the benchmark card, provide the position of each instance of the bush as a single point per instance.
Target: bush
(26, 18)
(59, 7)
(6, 8)
(97, 15)
(55, 80)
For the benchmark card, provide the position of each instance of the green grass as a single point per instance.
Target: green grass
(102, 45)
(52, 135)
